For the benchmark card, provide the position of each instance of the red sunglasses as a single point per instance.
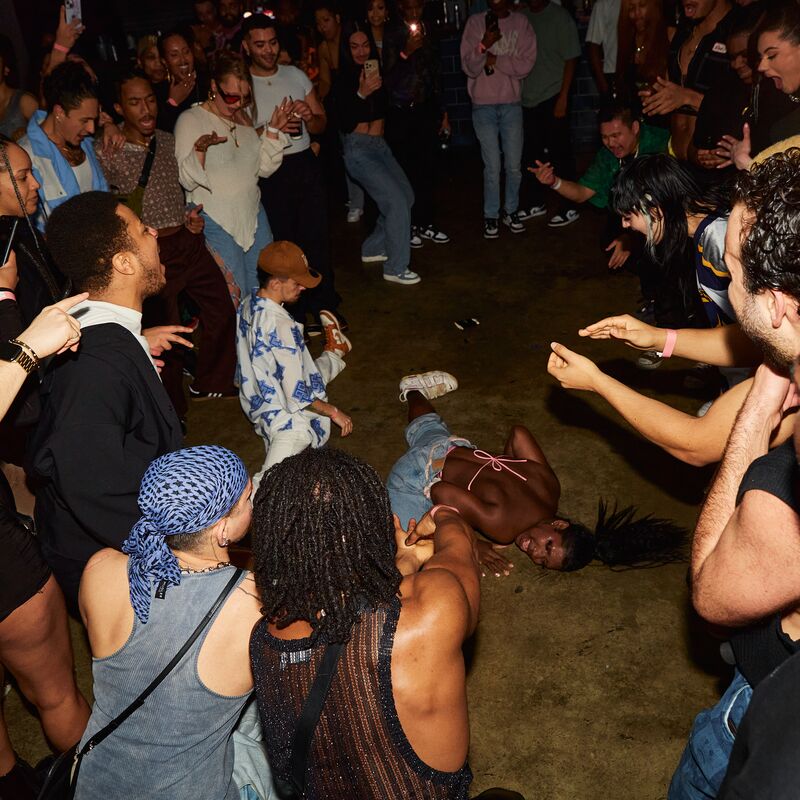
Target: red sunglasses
(233, 99)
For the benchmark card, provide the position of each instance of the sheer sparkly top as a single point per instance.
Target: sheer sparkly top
(359, 750)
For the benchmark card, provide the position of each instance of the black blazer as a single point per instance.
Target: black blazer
(105, 417)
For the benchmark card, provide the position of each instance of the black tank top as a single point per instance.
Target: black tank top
(359, 750)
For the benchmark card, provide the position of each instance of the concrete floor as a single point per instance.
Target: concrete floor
(581, 685)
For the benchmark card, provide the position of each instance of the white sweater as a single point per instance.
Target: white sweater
(228, 185)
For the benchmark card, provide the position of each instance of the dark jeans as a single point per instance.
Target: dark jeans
(546, 139)
(191, 269)
(296, 203)
(413, 136)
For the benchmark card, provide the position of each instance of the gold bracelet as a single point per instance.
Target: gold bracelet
(28, 349)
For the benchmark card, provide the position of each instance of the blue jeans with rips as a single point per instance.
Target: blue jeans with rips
(369, 161)
(499, 126)
(428, 440)
(705, 759)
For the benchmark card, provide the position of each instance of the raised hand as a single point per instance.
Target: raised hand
(54, 330)
(628, 329)
(544, 173)
(735, 151)
(572, 370)
(368, 85)
(204, 142)
(162, 337)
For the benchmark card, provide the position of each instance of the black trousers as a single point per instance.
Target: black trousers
(413, 135)
(296, 203)
(546, 139)
(190, 268)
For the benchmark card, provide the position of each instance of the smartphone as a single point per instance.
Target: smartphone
(371, 67)
(7, 245)
(72, 10)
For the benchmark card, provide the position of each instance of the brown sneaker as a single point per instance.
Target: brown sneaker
(335, 340)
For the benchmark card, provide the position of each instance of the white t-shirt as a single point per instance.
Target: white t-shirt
(83, 174)
(288, 82)
(602, 30)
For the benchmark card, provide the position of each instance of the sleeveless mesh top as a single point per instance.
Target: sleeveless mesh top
(359, 750)
(178, 745)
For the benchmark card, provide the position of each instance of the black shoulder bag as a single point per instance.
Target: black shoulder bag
(295, 787)
(135, 199)
(63, 775)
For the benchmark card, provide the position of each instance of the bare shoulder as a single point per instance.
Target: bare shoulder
(104, 563)
(435, 597)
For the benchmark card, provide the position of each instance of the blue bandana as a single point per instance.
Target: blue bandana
(181, 492)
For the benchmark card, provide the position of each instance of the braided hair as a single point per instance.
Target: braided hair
(41, 263)
(623, 542)
(323, 542)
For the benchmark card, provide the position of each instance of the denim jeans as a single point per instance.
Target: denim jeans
(499, 126)
(242, 263)
(705, 760)
(428, 440)
(355, 194)
(369, 160)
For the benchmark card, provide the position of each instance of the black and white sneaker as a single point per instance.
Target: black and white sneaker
(195, 395)
(490, 229)
(531, 213)
(416, 239)
(561, 220)
(437, 237)
(513, 223)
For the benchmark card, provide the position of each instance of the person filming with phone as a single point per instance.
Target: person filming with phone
(363, 103)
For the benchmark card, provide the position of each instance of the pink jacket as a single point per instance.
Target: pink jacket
(516, 54)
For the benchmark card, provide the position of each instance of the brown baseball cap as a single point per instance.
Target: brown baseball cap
(287, 260)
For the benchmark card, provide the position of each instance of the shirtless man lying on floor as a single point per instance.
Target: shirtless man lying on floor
(511, 497)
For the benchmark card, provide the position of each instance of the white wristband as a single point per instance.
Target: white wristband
(556, 185)
(270, 129)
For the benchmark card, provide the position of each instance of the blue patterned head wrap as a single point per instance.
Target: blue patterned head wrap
(181, 492)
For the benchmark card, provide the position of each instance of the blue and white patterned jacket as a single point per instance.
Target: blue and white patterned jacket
(278, 379)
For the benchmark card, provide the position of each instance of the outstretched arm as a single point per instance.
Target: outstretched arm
(745, 559)
(695, 440)
(726, 346)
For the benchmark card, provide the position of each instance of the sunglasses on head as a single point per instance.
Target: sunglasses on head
(233, 99)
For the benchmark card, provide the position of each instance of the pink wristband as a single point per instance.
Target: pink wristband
(436, 509)
(60, 48)
(669, 345)
(7, 294)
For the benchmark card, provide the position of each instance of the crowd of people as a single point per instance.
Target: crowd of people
(168, 215)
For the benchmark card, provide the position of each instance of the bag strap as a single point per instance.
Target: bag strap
(139, 701)
(309, 716)
(148, 163)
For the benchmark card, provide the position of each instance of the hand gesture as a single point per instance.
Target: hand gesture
(490, 559)
(209, 140)
(544, 173)
(368, 85)
(54, 330)
(113, 138)
(302, 110)
(619, 254)
(628, 329)
(735, 151)
(424, 529)
(194, 219)
(162, 338)
(67, 33)
(664, 98)
(181, 88)
(9, 276)
(282, 118)
(572, 370)
(343, 421)
(491, 36)
(411, 555)
(711, 159)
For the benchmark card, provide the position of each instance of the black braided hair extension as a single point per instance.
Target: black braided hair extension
(323, 542)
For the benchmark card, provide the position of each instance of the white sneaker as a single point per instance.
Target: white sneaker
(374, 259)
(408, 278)
(562, 220)
(428, 384)
(355, 214)
(531, 213)
(416, 239)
